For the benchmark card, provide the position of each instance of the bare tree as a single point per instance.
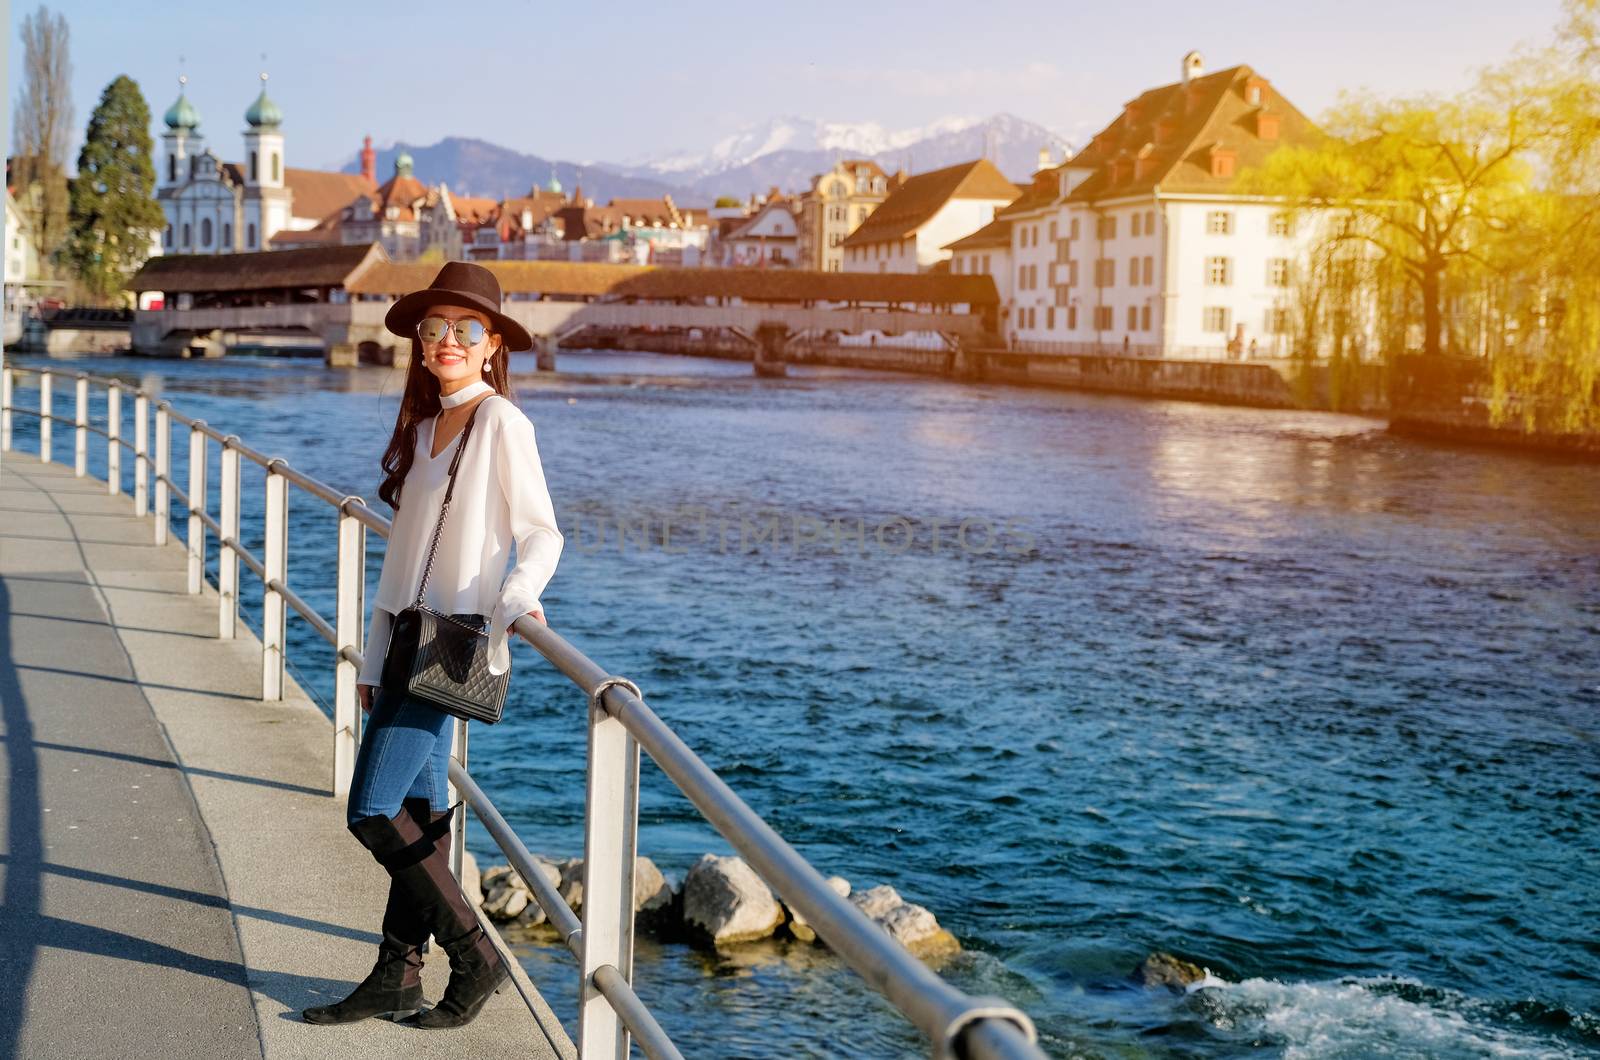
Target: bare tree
(41, 127)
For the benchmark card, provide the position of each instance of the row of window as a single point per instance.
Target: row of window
(841, 214)
(1143, 223)
(1220, 223)
(900, 249)
(973, 265)
(1219, 272)
(1104, 317)
(1217, 319)
(206, 230)
(194, 168)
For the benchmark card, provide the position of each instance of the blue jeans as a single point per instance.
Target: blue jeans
(405, 754)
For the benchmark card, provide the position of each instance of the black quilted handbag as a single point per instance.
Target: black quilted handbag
(444, 659)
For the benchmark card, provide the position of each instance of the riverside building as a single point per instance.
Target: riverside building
(1141, 244)
(912, 230)
(836, 204)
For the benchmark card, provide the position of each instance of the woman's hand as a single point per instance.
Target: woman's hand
(364, 694)
(537, 616)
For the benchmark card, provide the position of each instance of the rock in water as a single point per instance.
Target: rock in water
(652, 891)
(508, 896)
(913, 926)
(797, 923)
(1163, 969)
(724, 898)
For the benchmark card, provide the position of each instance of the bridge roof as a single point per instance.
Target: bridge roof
(617, 282)
(266, 270)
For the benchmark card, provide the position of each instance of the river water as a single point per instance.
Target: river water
(1312, 706)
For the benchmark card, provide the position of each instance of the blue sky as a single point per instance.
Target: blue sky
(598, 81)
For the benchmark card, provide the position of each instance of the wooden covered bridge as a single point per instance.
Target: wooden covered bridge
(335, 298)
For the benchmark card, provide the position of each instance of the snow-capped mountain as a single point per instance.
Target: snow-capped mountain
(793, 134)
(787, 152)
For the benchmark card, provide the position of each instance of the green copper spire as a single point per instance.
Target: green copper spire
(263, 113)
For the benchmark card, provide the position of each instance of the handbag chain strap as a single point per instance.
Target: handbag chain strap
(444, 509)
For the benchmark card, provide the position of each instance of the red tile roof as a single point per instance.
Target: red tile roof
(996, 233)
(915, 202)
(1164, 138)
(474, 210)
(317, 194)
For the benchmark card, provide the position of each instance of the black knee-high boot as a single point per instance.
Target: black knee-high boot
(411, 854)
(394, 986)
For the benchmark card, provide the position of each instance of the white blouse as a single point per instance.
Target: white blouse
(500, 500)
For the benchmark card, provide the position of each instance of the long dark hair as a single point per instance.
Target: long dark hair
(419, 402)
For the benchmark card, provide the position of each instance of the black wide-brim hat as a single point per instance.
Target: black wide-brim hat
(464, 284)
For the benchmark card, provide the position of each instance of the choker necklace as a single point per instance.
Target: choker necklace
(465, 394)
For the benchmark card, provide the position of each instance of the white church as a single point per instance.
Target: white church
(217, 207)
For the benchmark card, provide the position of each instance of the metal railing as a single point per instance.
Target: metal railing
(620, 724)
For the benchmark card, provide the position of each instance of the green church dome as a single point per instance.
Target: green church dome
(263, 113)
(182, 115)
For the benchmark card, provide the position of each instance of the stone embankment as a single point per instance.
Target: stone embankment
(722, 902)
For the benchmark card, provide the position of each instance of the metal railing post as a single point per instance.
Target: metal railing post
(352, 579)
(227, 558)
(276, 562)
(196, 540)
(611, 832)
(80, 434)
(458, 820)
(113, 439)
(141, 454)
(163, 472)
(44, 417)
(5, 409)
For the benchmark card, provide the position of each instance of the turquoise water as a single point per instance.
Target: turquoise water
(1309, 705)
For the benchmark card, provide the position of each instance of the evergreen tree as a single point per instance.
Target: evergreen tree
(114, 214)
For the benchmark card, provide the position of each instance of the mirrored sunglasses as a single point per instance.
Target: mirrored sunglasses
(469, 332)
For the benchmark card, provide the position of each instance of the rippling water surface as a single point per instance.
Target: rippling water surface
(1312, 706)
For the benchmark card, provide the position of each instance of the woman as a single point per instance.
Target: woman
(398, 805)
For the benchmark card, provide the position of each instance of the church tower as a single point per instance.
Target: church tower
(180, 142)
(265, 208)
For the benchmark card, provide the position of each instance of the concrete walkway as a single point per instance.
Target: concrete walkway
(177, 881)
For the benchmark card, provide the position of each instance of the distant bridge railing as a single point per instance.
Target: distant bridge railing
(620, 723)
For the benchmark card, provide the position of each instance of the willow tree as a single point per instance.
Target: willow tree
(1429, 185)
(114, 215)
(1545, 360)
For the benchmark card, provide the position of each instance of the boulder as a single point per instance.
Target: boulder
(797, 923)
(571, 885)
(909, 924)
(508, 896)
(652, 891)
(1174, 973)
(727, 901)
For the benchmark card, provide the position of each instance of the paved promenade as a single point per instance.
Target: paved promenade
(177, 881)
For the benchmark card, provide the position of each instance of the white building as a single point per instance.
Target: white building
(22, 257)
(769, 238)
(986, 252)
(1141, 244)
(912, 230)
(217, 207)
